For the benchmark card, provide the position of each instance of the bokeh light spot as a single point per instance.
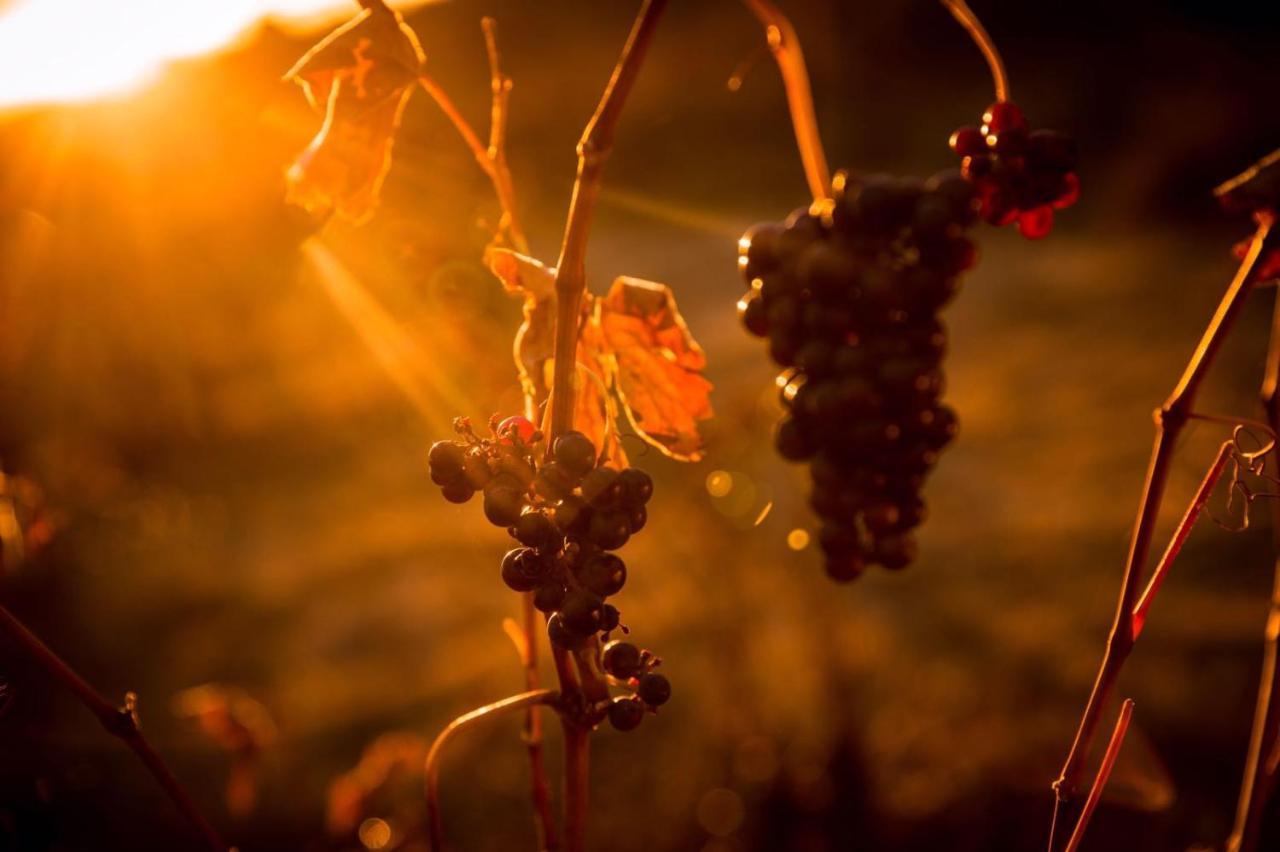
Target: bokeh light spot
(375, 833)
(720, 812)
(719, 483)
(798, 539)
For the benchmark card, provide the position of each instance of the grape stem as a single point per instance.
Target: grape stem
(120, 722)
(1262, 758)
(492, 158)
(784, 44)
(960, 10)
(593, 150)
(539, 786)
(533, 699)
(1170, 419)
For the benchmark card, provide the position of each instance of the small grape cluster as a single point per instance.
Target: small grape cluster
(568, 511)
(1021, 175)
(847, 294)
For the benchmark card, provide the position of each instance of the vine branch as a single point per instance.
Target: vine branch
(593, 150)
(960, 10)
(465, 722)
(784, 44)
(120, 722)
(1260, 761)
(1170, 419)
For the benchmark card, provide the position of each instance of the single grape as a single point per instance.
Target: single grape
(625, 713)
(459, 491)
(535, 528)
(654, 689)
(583, 612)
(562, 636)
(503, 505)
(550, 596)
(621, 659)
(445, 459)
(603, 574)
(609, 530)
(575, 452)
(601, 488)
(637, 486)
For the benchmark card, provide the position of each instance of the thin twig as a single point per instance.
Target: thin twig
(457, 726)
(492, 158)
(1104, 773)
(539, 786)
(121, 722)
(1260, 762)
(960, 10)
(784, 44)
(1179, 538)
(1170, 419)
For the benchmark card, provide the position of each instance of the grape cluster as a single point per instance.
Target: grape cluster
(847, 294)
(568, 511)
(1021, 175)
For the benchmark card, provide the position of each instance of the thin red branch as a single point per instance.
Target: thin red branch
(121, 722)
(1104, 773)
(1179, 538)
(1170, 419)
(960, 10)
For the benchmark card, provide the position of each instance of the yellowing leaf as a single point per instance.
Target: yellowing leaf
(657, 366)
(635, 354)
(361, 76)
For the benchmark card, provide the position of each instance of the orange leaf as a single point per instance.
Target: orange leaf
(657, 365)
(361, 76)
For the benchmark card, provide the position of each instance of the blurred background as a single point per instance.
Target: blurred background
(216, 442)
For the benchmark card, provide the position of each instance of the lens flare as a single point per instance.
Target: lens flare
(58, 51)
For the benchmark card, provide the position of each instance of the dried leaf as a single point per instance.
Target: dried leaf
(634, 347)
(658, 366)
(1256, 190)
(361, 76)
(393, 760)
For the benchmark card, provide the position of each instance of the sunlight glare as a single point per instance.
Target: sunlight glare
(57, 51)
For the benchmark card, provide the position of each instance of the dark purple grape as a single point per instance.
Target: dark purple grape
(625, 713)
(603, 574)
(572, 515)
(601, 488)
(459, 491)
(575, 452)
(550, 596)
(445, 459)
(562, 636)
(611, 618)
(654, 689)
(536, 529)
(637, 518)
(554, 481)
(609, 529)
(523, 569)
(621, 659)
(752, 313)
(503, 505)
(583, 612)
(637, 486)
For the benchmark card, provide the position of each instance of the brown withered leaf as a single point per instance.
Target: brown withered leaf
(634, 347)
(360, 76)
(658, 366)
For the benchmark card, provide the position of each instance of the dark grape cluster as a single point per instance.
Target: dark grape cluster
(847, 294)
(568, 511)
(1021, 175)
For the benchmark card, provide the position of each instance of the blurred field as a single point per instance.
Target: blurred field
(233, 437)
